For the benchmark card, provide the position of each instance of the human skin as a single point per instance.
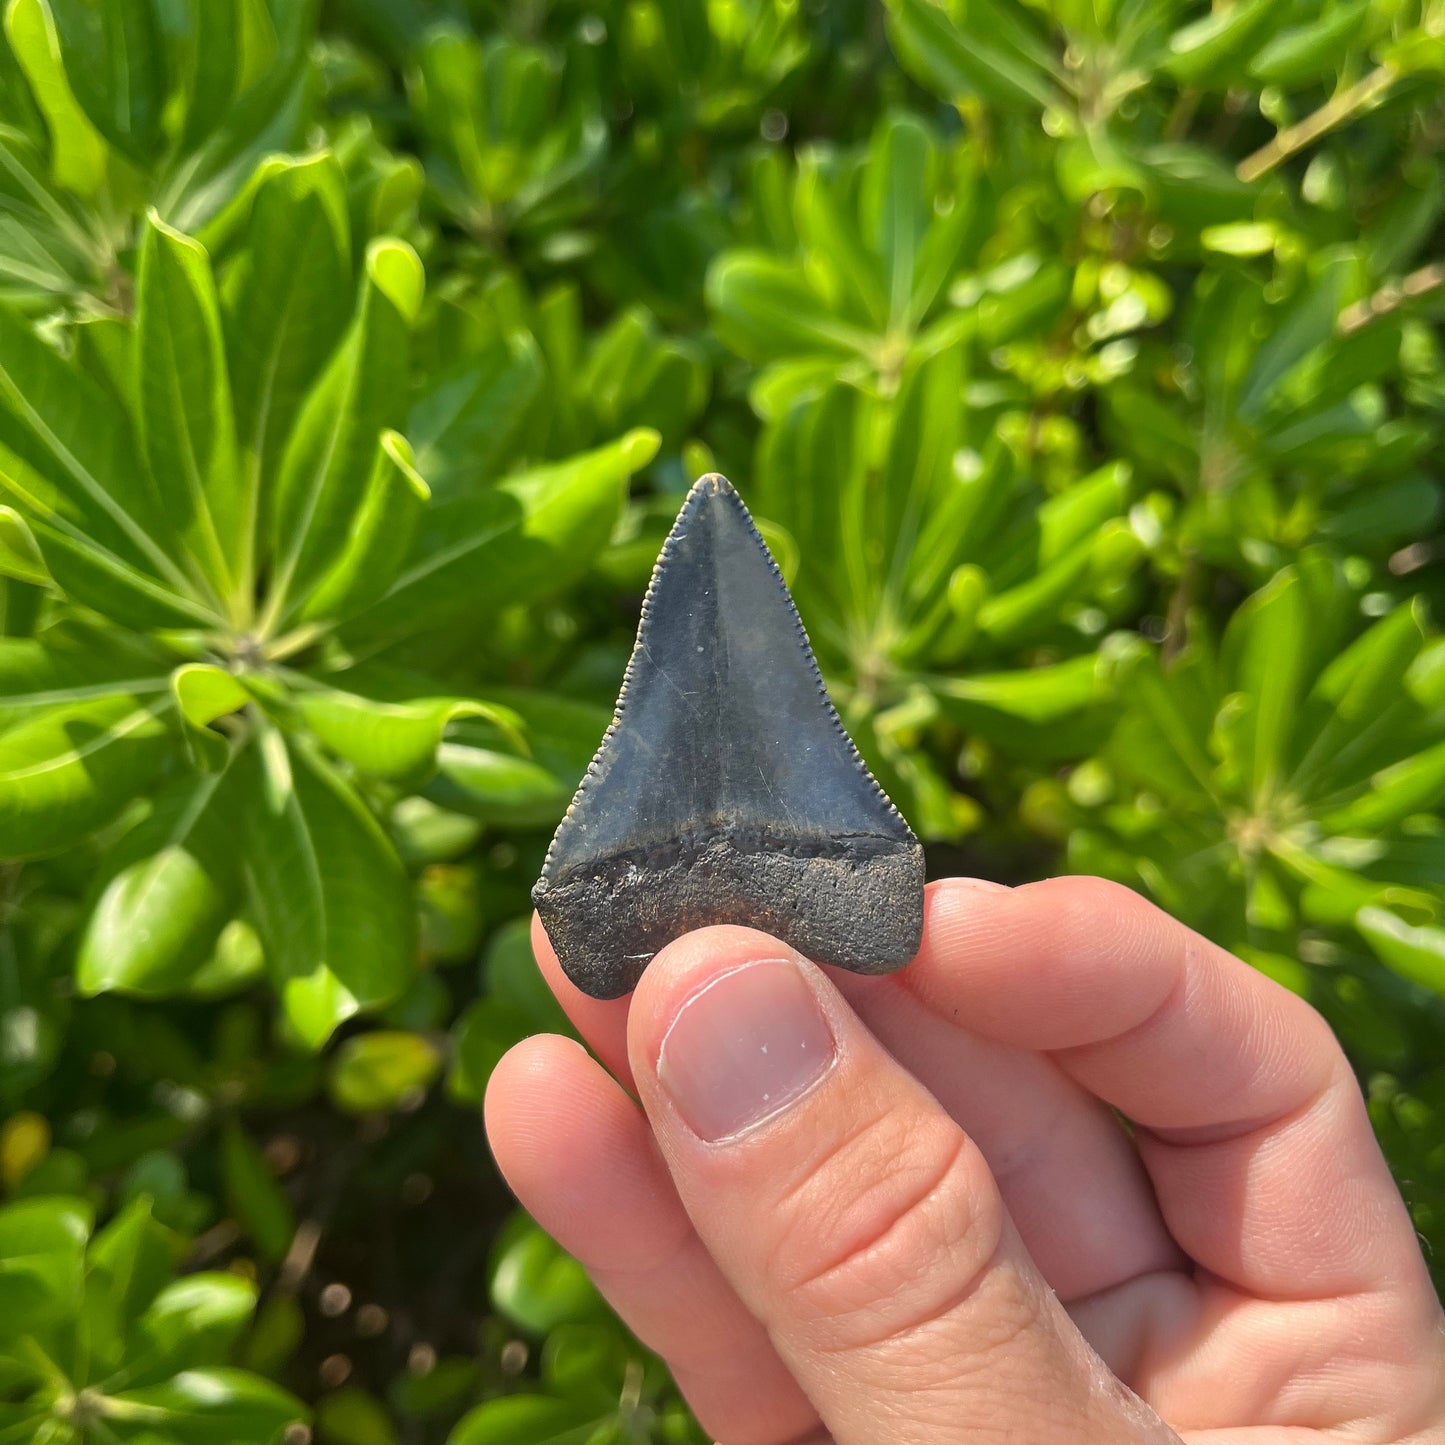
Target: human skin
(937, 1229)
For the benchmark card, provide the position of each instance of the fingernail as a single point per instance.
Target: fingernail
(744, 1047)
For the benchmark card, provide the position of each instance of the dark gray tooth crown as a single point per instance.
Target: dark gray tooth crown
(726, 789)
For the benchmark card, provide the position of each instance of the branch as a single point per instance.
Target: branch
(1391, 295)
(1338, 109)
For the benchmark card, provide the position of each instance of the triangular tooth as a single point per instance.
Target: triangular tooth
(726, 789)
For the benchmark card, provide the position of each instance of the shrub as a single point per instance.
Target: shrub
(1079, 362)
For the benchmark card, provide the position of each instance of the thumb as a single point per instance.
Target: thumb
(852, 1215)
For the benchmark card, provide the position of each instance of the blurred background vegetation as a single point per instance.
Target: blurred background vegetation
(1081, 362)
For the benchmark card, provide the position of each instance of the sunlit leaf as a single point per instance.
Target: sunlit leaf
(290, 307)
(187, 422)
(77, 151)
(72, 767)
(522, 539)
(387, 515)
(331, 449)
(42, 1252)
(174, 884)
(382, 1070)
(330, 894)
(1417, 953)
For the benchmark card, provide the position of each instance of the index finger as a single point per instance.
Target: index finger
(1247, 1115)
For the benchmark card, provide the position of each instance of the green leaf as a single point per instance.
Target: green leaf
(469, 420)
(485, 1031)
(587, 1361)
(329, 455)
(1414, 953)
(499, 787)
(1008, 617)
(95, 577)
(488, 107)
(448, 1387)
(381, 1071)
(634, 375)
(236, 962)
(512, 977)
(381, 533)
(104, 348)
(128, 1263)
(290, 308)
(1388, 512)
(19, 555)
(332, 900)
(352, 1416)
(899, 161)
(35, 676)
(72, 767)
(173, 884)
(270, 115)
(765, 308)
(210, 66)
(1352, 689)
(844, 274)
(1066, 520)
(426, 833)
(526, 1420)
(20, 607)
(44, 250)
(195, 1320)
(42, 1259)
(70, 463)
(1241, 238)
(253, 1195)
(1414, 785)
(1162, 734)
(77, 150)
(1035, 695)
(481, 773)
(203, 694)
(391, 739)
(1425, 681)
(1313, 50)
(186, 418)
(966, 48)
(1265, 652)
(1332, 894)
(535, 1283)
(512, 543)
(116, 66)
(1208, 51)
(214, 1406)
(1308, 323)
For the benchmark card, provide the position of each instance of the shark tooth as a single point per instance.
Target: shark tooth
(726, 789)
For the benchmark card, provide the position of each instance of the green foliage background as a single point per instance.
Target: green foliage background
(1079, 358)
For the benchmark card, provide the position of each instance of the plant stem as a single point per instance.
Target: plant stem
(1181, 602)
(1335, 111)
(290, 643)
(1392, 295)
(1182, 113)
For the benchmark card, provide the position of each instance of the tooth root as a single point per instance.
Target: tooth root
(726, 789)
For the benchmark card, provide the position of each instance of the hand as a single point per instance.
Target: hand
(901, 1210)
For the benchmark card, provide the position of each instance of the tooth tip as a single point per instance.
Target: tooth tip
(713, 484)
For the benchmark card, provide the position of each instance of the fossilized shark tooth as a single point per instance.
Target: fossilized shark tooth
(726, 789)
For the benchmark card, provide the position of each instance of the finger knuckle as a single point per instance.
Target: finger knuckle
(892, 1228)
